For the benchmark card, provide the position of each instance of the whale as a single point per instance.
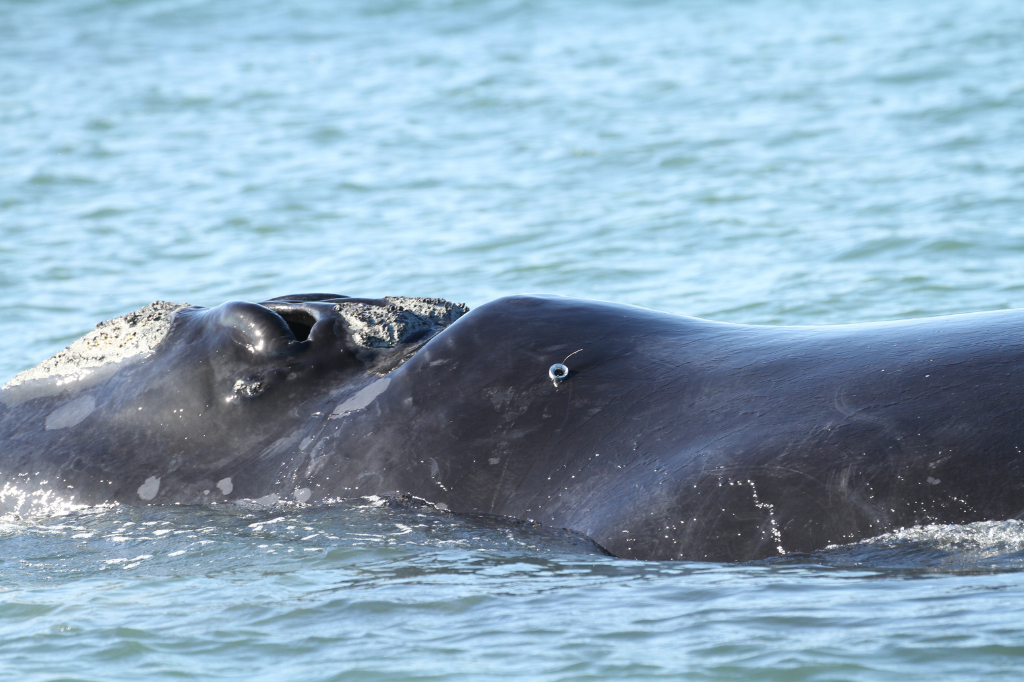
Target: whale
(659, 436)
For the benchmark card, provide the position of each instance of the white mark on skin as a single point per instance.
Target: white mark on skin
(268, 500)
(71, 414)
(441, 505)
(776, 534)
(150, 488)
(435, 470)
(302, 495)
(494, 460)
(225, 485)
(933, 481)
(362, 398)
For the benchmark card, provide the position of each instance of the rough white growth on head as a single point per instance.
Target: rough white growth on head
(376, 326)
(302, 495)
(225, 485)
(112, 341)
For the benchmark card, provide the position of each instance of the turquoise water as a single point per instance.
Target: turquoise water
(771, 162)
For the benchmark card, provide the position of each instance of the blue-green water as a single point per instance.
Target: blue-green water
(771, 161)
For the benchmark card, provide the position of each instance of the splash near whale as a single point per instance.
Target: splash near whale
(658, 436)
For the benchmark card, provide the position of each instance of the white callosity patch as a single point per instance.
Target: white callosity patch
(362, 398)
(225, 485)
(112, 341)
(71, 414)
(302, 495)
(377, 326)
(150, 488)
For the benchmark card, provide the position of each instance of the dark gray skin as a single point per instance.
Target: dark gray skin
(672, 437)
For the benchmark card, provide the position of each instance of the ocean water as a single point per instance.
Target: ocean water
(767, 162)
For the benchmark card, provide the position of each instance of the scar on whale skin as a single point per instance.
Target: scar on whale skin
(361, 399)
(150, 488)
(71, 414)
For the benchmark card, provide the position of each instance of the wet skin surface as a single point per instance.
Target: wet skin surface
(671, 438)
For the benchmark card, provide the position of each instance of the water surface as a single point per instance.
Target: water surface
(770, 162)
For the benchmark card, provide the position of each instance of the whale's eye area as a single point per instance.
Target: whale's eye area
(558, 372)
(300, 322)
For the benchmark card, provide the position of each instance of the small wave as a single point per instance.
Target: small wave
(172, 540)
(18, 504)
(973, 547)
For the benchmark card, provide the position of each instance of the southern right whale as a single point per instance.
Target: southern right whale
(664, 437)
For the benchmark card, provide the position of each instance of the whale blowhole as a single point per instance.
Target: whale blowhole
(300, 322)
